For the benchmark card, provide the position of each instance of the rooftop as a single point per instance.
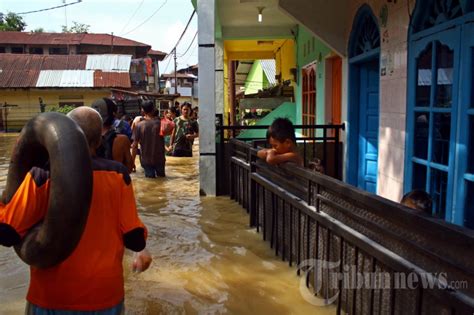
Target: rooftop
(67, 39)
(27, 71)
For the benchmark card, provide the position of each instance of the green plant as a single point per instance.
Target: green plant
(63, 109)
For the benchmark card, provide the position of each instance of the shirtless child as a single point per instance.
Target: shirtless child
(281, 136)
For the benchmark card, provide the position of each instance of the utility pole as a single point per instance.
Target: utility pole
(175, 73)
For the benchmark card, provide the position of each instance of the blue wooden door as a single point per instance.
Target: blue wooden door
(368, 125)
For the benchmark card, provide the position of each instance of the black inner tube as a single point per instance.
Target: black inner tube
(54, 139)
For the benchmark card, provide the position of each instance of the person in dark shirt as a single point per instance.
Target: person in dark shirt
(114, 145)
(184, 133)
(152, 144)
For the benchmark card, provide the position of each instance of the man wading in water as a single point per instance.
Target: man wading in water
(90, 280)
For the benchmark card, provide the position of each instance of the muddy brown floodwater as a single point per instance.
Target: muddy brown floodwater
(206, 258)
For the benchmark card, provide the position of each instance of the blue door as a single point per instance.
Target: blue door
(368, 125)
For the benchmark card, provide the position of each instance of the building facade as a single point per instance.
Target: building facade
(373, 65)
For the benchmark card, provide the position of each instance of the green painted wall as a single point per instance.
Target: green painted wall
(285, 110)
(256, 79)
(308, 50)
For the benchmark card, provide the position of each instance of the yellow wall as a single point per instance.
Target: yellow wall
(285, 60)
(282, 50)
(28, 104)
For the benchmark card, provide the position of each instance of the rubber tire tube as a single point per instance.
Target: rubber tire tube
(55, 139)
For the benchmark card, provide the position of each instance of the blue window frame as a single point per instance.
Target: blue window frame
(440, 113)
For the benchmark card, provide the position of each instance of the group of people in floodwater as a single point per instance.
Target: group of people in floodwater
(90, 280)
(149, 136)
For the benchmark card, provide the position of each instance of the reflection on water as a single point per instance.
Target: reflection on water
(206, 259)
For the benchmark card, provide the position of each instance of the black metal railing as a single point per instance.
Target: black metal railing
(326, 147)
(308, 217)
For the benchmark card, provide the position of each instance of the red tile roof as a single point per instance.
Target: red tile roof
(66, 39)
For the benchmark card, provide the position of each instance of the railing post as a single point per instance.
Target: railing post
(253, 188)
(231, 171)
(336, 153)
(325, 146)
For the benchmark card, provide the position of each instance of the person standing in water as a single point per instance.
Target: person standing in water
(184, 133)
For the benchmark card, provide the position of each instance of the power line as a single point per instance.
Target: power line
(146, 20)
(182, 34)
(167, 65)
(130, 19)
(182, 55)
(51, 8)
(190, 55)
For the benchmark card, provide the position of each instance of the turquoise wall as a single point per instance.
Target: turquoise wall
(285, 110)
(256, 79)
(308, 50)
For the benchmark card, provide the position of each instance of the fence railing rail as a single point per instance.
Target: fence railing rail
(308, 217)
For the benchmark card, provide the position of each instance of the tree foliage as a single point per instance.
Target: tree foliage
(11, 22)
(38, 30)
(76, 28)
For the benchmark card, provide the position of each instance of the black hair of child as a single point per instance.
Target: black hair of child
(282, 129)
(420, 199)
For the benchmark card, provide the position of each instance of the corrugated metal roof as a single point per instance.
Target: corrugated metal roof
(112, 79)
(106, 40)
(42, 62)
(18, 78)
(269, 68)
(110, 63)
(23, 71)
(66, 39)
(180, 75)
(66, 62)
(66, 78)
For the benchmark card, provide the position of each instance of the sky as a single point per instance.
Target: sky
(165, 20)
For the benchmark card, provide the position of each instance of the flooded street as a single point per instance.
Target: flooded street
(206, 259)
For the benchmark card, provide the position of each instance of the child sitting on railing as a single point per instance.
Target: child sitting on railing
(281, 136)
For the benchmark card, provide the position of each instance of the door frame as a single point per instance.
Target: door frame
(353, 132)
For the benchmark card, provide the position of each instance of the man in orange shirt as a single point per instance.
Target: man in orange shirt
(90, 280)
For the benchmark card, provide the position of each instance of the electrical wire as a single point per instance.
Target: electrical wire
(51, 8)
(147, 19)
(167, 65)
(190, 55)
(130, 19)
(182, 55)
(182, 34)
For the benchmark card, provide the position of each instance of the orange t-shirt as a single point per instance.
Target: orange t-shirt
(92, 277)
